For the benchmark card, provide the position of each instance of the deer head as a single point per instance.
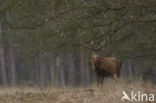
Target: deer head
(94, 49)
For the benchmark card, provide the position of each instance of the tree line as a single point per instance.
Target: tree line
(40, 44)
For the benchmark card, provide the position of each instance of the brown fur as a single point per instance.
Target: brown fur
(106, 67)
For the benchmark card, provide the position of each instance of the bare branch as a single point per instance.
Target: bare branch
(37, 25)
(83, 43)
(103, 43)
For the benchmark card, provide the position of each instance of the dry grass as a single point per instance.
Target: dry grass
(110, 92)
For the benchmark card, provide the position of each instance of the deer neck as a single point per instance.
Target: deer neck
(94, 59)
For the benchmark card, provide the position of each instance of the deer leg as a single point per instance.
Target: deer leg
(106, 74)
(109, 75)
(98, 80)
(98, 75)
(114, 76)
(102, 79)
(118, 74)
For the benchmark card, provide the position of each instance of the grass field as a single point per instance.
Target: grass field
(110, 92)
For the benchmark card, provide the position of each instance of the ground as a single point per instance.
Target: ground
(110, 92)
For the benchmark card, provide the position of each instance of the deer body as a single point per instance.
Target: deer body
(110, 65)
(103, 67)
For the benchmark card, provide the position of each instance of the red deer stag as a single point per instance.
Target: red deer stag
(103, 67)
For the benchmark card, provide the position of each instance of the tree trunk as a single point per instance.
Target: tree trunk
(42, 71)
(37, 70)
(61, 72)
(87, 69)
(124, 72)
(12, 62)
(82, 67)
(57, 71)
(53, 72)
(11, 58)
(129, 67)
(71, 71)
(2, 60)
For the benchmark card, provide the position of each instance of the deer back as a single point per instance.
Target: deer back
(110, 65)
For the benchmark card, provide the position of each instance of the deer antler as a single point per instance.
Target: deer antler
(83, 43)
(102, 43)
(92, 47)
